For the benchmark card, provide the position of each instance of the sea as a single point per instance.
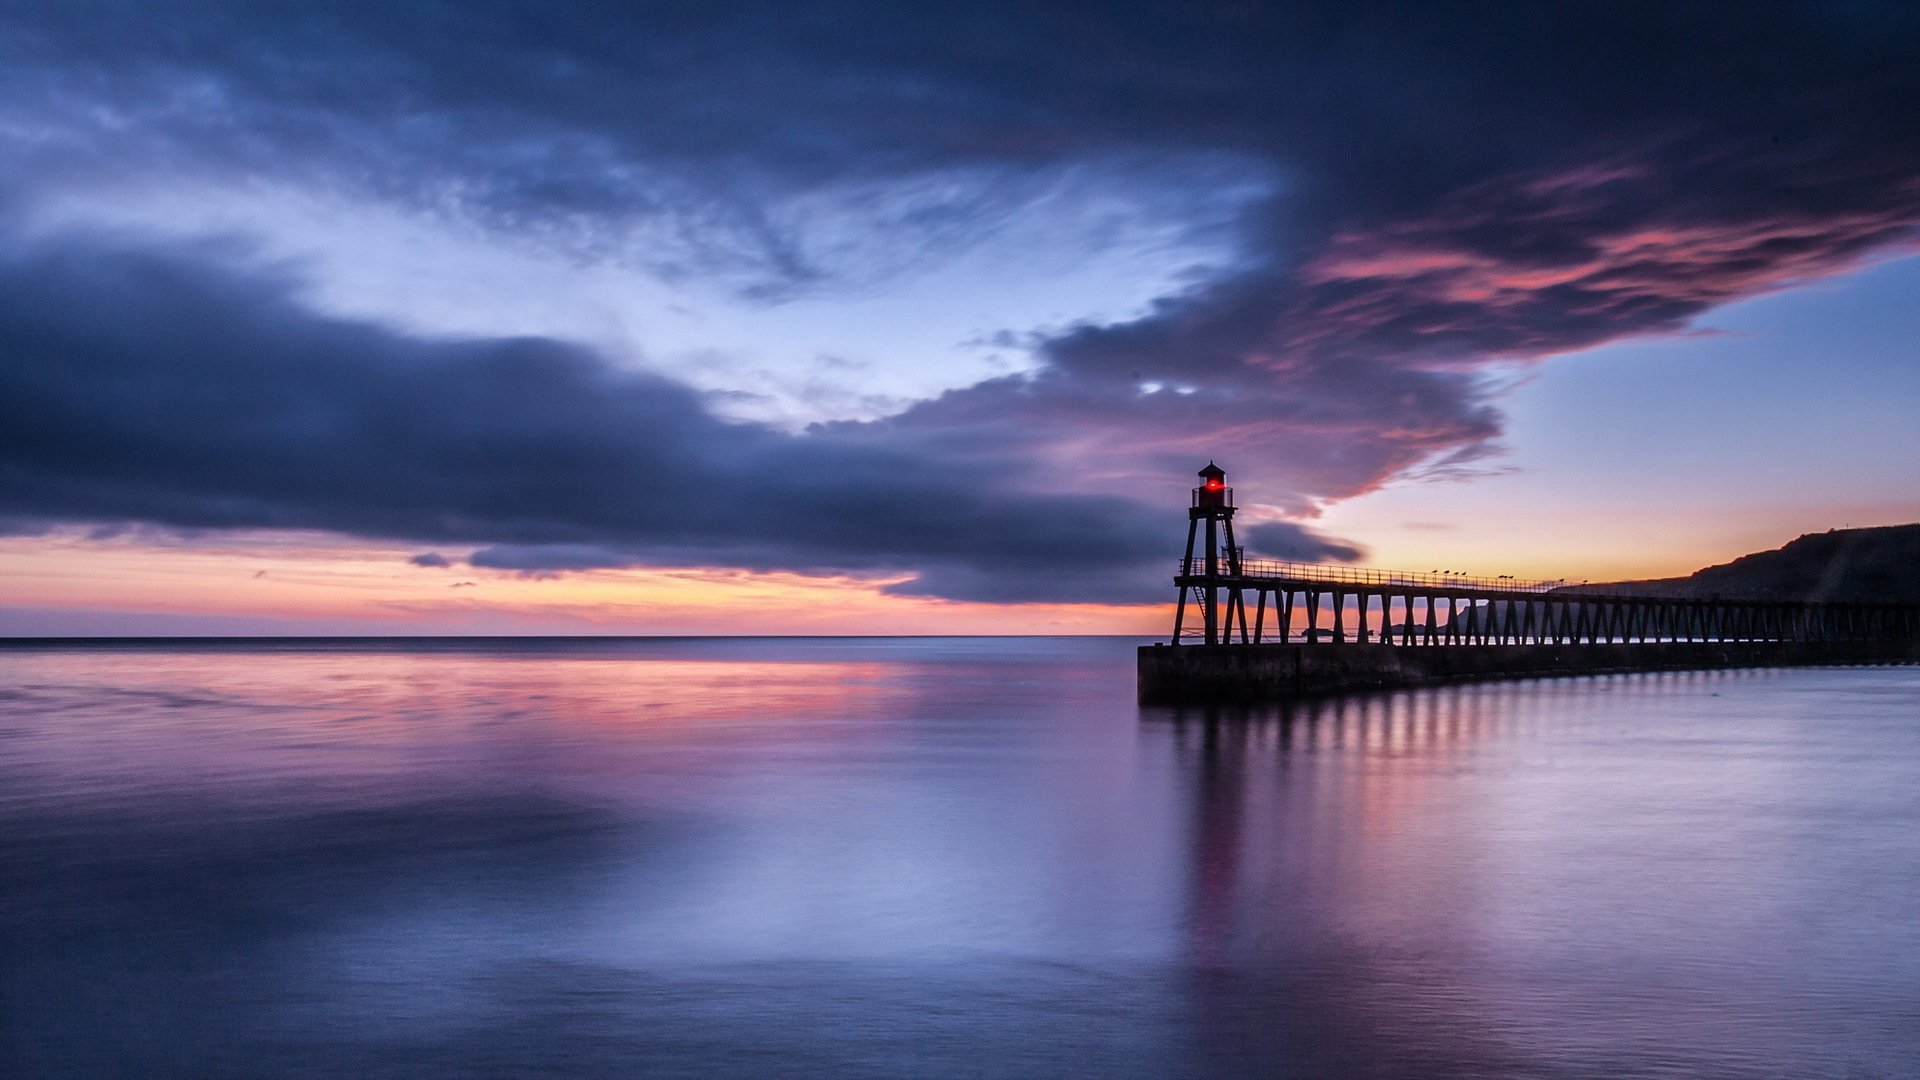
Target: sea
(938, 858)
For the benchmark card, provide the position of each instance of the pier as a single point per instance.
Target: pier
(1319, 629)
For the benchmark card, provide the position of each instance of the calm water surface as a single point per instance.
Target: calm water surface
(940, 858)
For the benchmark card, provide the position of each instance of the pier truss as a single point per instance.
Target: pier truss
(1312, 603)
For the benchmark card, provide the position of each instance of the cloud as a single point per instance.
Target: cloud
(1426, 195)
(1534, 265)
(154, 387)
(768, 141)
(431, 559)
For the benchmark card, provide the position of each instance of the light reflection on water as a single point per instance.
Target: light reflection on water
(958, 857)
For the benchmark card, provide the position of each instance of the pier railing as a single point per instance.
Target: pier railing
(1320, 573)
(1438, 607)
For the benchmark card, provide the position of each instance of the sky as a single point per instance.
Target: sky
(861, 317)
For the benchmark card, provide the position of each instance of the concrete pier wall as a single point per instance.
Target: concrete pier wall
(1171, 674)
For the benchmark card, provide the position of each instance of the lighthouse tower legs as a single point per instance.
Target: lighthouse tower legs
(1214, 576)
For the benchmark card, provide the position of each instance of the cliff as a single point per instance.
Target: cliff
(1880, 565)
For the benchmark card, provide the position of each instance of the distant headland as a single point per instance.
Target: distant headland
(1878, 565)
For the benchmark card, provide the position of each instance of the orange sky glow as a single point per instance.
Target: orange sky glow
(313, 584)
(308, 583)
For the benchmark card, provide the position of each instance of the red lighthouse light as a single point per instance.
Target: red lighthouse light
(1213, 487)
(1214, 477)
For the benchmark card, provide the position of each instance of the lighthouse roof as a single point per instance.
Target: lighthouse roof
(1213, 470)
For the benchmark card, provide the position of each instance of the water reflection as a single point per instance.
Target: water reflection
(1589, 877)
(941, 859)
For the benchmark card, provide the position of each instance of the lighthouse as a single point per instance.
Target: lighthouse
(1211, 571)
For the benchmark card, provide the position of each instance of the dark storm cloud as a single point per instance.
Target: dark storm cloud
(564, 119)
(1447, 187)
(153, 387)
